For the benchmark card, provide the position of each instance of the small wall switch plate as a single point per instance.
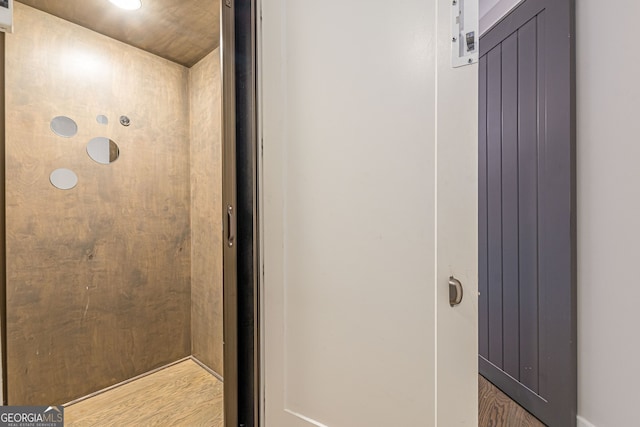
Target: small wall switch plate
(464, 32)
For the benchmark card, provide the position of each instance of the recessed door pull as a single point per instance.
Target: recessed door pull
(231, 226)
(455, 291)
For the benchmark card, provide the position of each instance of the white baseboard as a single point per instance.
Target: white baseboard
(584, 423)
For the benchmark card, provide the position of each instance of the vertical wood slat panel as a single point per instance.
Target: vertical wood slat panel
(528, 203)
(494, 203)
(510, 279)
(483, 301)
(545, 383)
(545, 199)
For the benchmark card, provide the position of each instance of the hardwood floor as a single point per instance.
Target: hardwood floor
(497, 410)
(183, 394)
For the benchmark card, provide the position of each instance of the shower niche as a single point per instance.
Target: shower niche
(113, 210)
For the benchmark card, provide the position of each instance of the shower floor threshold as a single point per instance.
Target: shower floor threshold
(183, 393)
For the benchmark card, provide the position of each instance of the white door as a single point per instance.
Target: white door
(369, 204)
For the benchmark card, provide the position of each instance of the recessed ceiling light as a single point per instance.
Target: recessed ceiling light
(127, 4)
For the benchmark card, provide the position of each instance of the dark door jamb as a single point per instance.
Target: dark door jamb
(240, 147)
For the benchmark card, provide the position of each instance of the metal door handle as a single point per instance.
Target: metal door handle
(455, 291)
(231, 226)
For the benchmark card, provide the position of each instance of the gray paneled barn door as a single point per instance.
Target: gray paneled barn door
(527, 282)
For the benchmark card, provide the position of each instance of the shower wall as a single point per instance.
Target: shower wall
(206, 215)
(98, 277)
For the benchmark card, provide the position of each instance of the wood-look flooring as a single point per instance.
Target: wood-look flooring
(187, 395)
(496, 409)
(183, 394)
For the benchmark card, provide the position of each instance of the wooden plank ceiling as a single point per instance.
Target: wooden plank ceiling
(183, 31)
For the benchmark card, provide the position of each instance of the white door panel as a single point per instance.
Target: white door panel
(365, 216)
(457, 233)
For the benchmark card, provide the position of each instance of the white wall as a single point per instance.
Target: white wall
(492, 10)
(486, 5)
(608, 68)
